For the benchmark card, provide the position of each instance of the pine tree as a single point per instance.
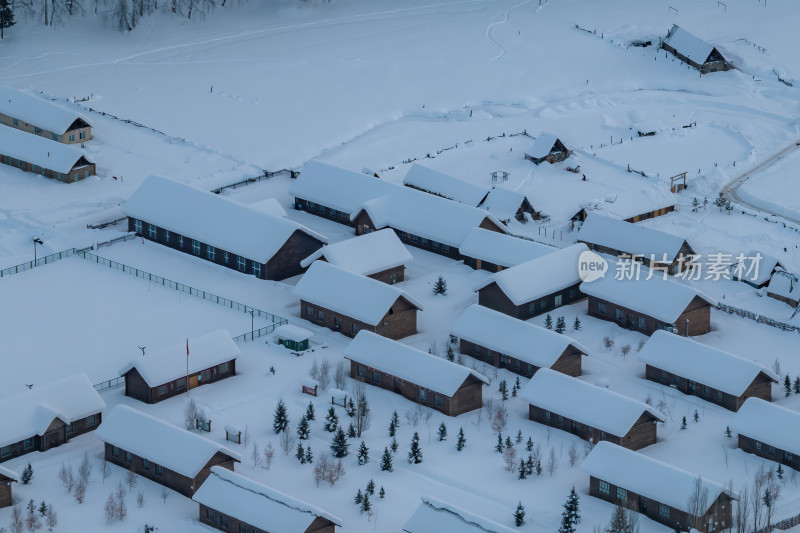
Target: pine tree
(538, 467)
(619, 522)
(6, 16)
(529, 466)
(787, 385)
(529, 444)
(728, 431)
(548, 321)
(303, 430)
(515, 388)
(309, 455)
(720, 202)
(696, 416)
(351, 431)
(394, 424)
(301, 454)
(440, 287)
(339, 444)
(523, 472)
(779, 471)
(359, 497)
(461, 440)
(370, 488)
(281, 420)
(381, 493)
(386, 461)
(509, 444)
(442, 432)
(503, 390)
(499, 446)
(27, 474)
(451, 355)
(363, 454)
(365, 505)
(705, 201)
(797, 385)
(577, 325)
(519, 515)
(331, 421)
(43, 509)
(518, 438)
(570, 517)
(310, 412)
(561, 325)
(695, 204)
(393, 444)
(415, 454)
(351, 408)
(683, 423)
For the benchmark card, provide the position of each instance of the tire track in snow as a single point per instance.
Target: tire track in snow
(491, 26)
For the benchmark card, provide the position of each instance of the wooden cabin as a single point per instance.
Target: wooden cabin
(435, 516)
(219, 230)
(784, 287)
(700, 370)
(658, 490)
(34, 154)
(7, 477)
(557, 283)
(592, 413)
(47, 416)
(756, 269)
(547, 147)
(293, 337)
(39, 116)
(160, 451)
(694, 51)
(506, 205)
(233, 503)
(379, 255)
(630, 206)
(769, 431)
(518, 346)
(416, 375)
(492, 251)
(348, 303)
(203, 360)
(650, 305)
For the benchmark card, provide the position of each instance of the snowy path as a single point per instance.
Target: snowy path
(491, 26)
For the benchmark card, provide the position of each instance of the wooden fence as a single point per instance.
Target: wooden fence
(761, 319)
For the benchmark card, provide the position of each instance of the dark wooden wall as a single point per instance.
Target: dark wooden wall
(234, 525)
(5, 492)
(286, 261)
(699, 318)
(748, 444)
(399, 322)
(569, 362)
(390, 275)
(641, 434)
(493, 297)
(137, 388)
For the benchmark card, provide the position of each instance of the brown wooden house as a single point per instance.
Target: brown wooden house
(41, 117)
(700, 370)
(348, 303)
(547, 147)
(6, 478)
(416, 375)
(163, 374)
(770, 431)
(592, 413)
(35, 154)
(785, 287)
(435, 516)
(233, 503)
(693, 51)
(47, 416)
(160, 451)
(493, 252)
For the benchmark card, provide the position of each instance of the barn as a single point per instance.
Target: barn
(492, 251)
(557, 283)
(233, 503)
(418, 376)
(756, 269)
(38, 116)
(592, 413)
(518, 346)
(694, 51)
(770, 431)
(435, 516)
(7, 477)
(35, 154)
(547, 147)
(47, 416)
(785, 287)
(700, 370)
(203, 360)
(219, 230)
(161, 452)
(340, 300)
(657, 490)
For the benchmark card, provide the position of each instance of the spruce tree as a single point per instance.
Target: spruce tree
(386, 461)
(720, 202)
(6, 16)
(339, 444)
(570, 517)
(451, 355)
(415, 454)
(365, 505)
(394, 424)
(43, 509)
(529, 444)
(509, 444)
(518, 438)
(310, 412)
(303, 430)
(350, 409)
(523, 472)
(695, 204)
(696, 416)
(382, 493)
(515, 388)
(440, 287)
(519, 515)
(683, 423)
(499, 446)
(27, 474)
(548, 321)
(359, 497)
(503, 390)
(442, 432)
(462, 441)
(351, 431)
(577, 325)
(309, 455)
(281, 419)
(393, 444)
(619, 522)
(797, 385)
(370, 488)
(331, 421)
(538, 467)
(728, 431)
(301, 454)
(779, 471)
(787, 385)
(363, 454)
(529, 466)
(561, 325)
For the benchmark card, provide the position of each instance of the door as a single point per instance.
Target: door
(397, 388)
(631, 321)
(477, 264)
(54, 438)
(192, 381)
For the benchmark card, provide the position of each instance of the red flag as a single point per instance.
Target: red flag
(187, 347)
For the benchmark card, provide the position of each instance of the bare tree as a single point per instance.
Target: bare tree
(772, 492)
(66, 476)
(632, 518)
(573, 454)
(510, 458)
(269, 453)
(552, 462)
(742, 512)
(80, 491)
(413, 414)
(499, 419)
(140, 501)
(759, 480)
(287, 440)
(164, 494)
(85, 469)
(362, 416)
(324, 374)
(328, 470)
(121, 509)
(105, 470)
(51, 518)
(313, 372)
(17, 520)
(697, 504)
(255, 455)
(110, 509)
(190, 415)
(340, 375)
(131, 478)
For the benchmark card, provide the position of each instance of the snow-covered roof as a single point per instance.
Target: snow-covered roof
(270, 206)
(501, 249)
(583, 402)
(341, 189)
(769, 423)
(688, 45)
(159, 441)
(366, 254)
(39, 151)
(649, 477)
(451, 187)
(784, 284)
(435, 516)
(37, 111)
(212, 219)
(29, 413)
(661, 299)
(510, 336)
(258, 505)
(293, 333)
(353, 295)
(628, 204)
(503, 203)
(10, 474)
(701, 363)
(755, 267)
(170, 363)
(542, 145)
(409, 364)
(539, 277)
(630, 238)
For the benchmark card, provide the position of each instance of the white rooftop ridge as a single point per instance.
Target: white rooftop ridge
(755, 267)
(341, 189)
(769, 423)
(501, 249)
(439, 183)
(627, 204)
(10, 474)
(648, 477)
(39, 151)
(408, 363)
(31, 412)
(688, 45)
(271, 206)
(365, 299)
(516, 338)
(212, 219)
(436, 516)
(293, 333)
(583, 402)
(539, 277)
(784, 284)
(542, 145)
(171, 363)
(701, 363)
(159, 441)
(503, 203)
(37, 111)
(258, 505)
(366, 254)
(630, 238)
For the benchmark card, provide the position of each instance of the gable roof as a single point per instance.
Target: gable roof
(341, 189)
(688, 45)
(501, 249)
(769, 423)
(784, 284)
(630, 238)
(583, 402)
(701, 363)
(37, 111)
(270, 206)
(542, 145)
(435, 516)
(627, 204)
(39, 151)
(507, 335)
(552, 272)
(258, 505)
(450, 187)
(662, 299)
(503, 203)
(212, 219)
(365, 299)
(755, 267)
(170, 363)
(366, 254)
(159, 441)
(293, 333)
(649, 477)
(10, 474)
(29, 413)
(410, 364)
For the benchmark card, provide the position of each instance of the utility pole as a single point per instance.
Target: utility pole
(252, 323)
(36, 240)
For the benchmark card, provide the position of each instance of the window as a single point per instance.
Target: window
(557, 300)
(242, 528)
(572, 292)
(181, 384)
(166, 236)
(223, 520)
(664, 375)
(210, 252)
(320, 315)
(446, 248)
(225, 257)
(309, 311)
(601, 308)
(642, 323)
(82, 135)
(72, 137)
(414, 239)
(128, 457)
(55, 136)
(542, 303)
(91, 420)
(643, 503)
(153, 231)
(362, 371)
(210, 514)
(241, 263)
(547, 415)
(180, 241)
(437, 400)
(162, 390)
(195, 247)
(787, 457)
(223, 368)
(114, 451)
(159, 470)
(356, 327)
(622, 494)
(16, 122)
(719, 395)
(604, 487)
(618, 314)
(422, 394)
(257, 269)
(69, 429)
(532, 307)
(758, 446)
(376, 376)
(145, 465)
(28, 444)
(771, 450)
(559, 420)
(137, 226)
(663, 510)
(435, 245)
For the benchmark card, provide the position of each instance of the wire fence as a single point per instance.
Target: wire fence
(110, 384)
(46, 260)
(761, 319)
